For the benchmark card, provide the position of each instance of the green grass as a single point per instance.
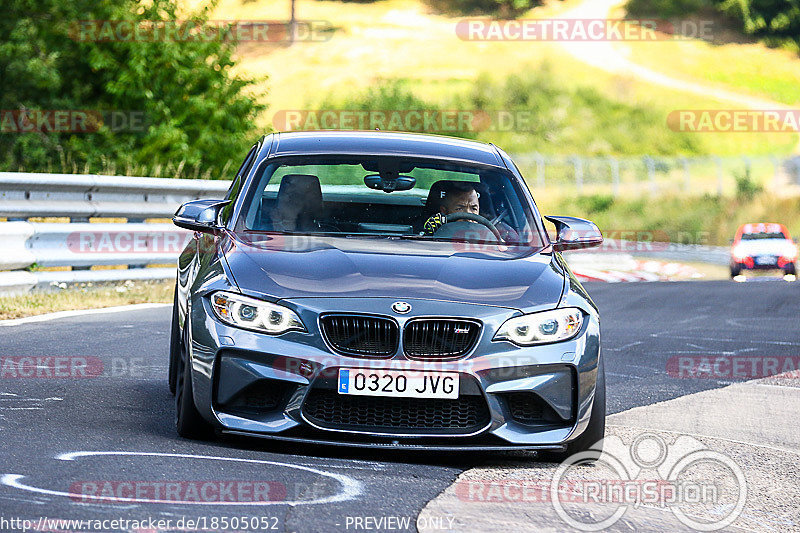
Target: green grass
(544, 115)
(708, 220)
(86, 296)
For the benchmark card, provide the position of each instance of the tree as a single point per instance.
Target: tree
(53, 58)
(772, 20)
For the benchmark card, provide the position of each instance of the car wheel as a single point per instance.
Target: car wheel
(736, 269)
(174, 344)
(790, 269)
(188, 421)
(589, 441)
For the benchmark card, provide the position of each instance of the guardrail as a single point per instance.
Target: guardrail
(81, 245)
(24, 195)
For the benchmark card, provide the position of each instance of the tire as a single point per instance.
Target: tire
(174, 345)
(790, 269)
(594, 432)
(188, 421)
(736, 269)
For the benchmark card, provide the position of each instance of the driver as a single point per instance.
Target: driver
(462, 198)
(458, 198)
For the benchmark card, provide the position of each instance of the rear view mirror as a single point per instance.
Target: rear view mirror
(575, 233)
(389, 184)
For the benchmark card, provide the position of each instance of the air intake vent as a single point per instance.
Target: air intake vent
(331, 410)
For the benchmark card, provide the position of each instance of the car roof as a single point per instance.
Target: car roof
(384, 143)
(763, 227)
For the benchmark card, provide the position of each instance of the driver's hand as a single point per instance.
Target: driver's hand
(433, 223)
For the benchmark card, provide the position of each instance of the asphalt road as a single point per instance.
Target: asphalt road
(122, 420)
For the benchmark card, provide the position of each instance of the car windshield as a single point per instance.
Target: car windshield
(762, 235)
(389, 197)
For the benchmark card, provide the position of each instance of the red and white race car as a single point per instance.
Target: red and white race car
(763, 246)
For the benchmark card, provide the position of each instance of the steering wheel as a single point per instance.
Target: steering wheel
(455, 217)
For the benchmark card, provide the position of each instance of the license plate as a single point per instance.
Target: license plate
(401, 384)
(766, 260)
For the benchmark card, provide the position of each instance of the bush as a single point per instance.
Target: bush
(595, 203)
(666, 9)
(775, 21)
(498, 8)
(198, 114)
(746, 188)
(558, 120)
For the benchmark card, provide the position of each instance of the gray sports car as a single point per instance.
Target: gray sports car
(384, 290)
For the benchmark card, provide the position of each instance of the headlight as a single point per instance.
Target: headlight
(539, 328)
(249, 313)
(739, 253)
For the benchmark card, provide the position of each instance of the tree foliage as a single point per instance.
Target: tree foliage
(498, 8)
(196, 111)
(775, 21)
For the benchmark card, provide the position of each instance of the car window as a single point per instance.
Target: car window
(763, 235)
(236, 185)
(360, 197)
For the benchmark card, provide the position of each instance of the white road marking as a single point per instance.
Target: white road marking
(79, 312)
(351, 488)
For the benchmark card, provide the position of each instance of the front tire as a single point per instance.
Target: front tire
(790, 269)
(736, 269)
(188, 421)
(589, 440)
(174, 345)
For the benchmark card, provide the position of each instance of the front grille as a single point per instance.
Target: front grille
(529, 408)
(365, 336)
(439, 338)
(329, 409)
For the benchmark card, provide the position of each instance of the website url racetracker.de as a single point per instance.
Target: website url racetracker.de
(200, 523)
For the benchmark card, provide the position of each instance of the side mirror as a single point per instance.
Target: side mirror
(730, 241)
(575, 233)
(200, 215)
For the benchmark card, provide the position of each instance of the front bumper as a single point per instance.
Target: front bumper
(254, 384)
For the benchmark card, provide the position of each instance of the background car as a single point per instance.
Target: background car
(318, 303)
(763, 246)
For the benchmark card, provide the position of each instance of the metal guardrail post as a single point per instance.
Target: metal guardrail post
(614, 166)
(578, 164)
(540, 169)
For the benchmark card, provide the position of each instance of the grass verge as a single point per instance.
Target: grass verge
(706, 220)
(85, 296)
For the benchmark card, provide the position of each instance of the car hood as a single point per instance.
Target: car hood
(280, 267)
